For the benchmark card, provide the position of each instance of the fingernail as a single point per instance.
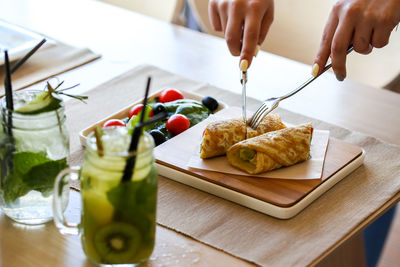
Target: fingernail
(244, 64)
(340, 77)
(256, 51)
(315, 70)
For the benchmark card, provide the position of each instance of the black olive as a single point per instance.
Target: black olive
(210, 103)
(158, 137)
(158, 108)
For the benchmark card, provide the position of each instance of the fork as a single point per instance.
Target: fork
(270, 104)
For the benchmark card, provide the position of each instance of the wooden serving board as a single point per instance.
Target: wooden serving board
(176, 153)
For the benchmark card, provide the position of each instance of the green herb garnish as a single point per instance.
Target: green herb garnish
(31, 171)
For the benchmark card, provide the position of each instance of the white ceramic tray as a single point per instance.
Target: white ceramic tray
(193, 179)
(124, 112)
(254, 203)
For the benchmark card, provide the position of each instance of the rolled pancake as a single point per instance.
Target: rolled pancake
(272, 150)
(219, 136)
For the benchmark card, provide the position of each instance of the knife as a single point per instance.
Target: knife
(243, 80)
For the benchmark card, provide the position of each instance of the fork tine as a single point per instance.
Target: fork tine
(259, 113)
(260, 118)
(256, 114)
(265, 113)
(260, 110)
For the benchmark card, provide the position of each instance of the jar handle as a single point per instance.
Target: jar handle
(64, 177)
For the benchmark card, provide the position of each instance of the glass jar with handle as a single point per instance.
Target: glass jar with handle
(118, 218)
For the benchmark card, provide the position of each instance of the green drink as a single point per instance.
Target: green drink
(118, 218)
(34, 144)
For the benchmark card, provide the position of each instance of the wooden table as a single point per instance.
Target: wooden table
(125, 40)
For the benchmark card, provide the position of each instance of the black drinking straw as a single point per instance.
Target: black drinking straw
(27, 56)
(8, 91)
(9, 109)
(7, 83)
(130, 162)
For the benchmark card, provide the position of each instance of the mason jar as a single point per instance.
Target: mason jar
(118, 217)
(33, 149)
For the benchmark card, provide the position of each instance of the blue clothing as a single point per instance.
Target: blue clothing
(375, 236)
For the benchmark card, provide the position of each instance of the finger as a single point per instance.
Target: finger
(251, 34)
(380, 36)
(234, 29)
(340, 43)
(325, 45)
(362, 38)
(215, 20)
(266, 23)
(223, 14)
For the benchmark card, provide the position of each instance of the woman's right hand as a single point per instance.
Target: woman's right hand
(245, 24)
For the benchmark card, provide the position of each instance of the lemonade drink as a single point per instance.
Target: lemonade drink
(34, 144)
(118, 218)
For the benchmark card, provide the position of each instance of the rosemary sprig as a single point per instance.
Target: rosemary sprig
(59, 91)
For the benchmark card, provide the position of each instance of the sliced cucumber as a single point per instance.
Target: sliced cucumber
(43, 102)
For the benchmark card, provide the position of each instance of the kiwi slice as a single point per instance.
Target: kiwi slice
(117, 242)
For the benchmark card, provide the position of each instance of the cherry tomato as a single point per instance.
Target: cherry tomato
(177, 123)
(136, 109)
(113, 122)
(170, 94)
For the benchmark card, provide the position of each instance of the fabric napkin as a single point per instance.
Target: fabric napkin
(237, 230)
(48, 61)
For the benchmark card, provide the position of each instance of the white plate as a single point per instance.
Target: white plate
(16, 40)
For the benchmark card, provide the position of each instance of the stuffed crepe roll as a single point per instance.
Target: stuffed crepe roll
(272, 150)
(221, 135)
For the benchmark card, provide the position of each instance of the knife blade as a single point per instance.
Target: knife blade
(243, 81)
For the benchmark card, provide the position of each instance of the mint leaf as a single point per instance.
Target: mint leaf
(41, 177)
(31, 171)
(25, 161)
(13, 187)
(136, 201)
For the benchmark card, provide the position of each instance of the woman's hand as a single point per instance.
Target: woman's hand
(245, 24)
(362, 23)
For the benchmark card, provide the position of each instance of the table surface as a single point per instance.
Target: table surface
(125, 40)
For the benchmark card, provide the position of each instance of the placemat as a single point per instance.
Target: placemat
(242, 232)
(47, 62)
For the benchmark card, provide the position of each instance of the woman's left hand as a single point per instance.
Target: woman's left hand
(362, 23)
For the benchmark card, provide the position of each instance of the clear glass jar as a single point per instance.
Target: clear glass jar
(33, 150)
(118, 218)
